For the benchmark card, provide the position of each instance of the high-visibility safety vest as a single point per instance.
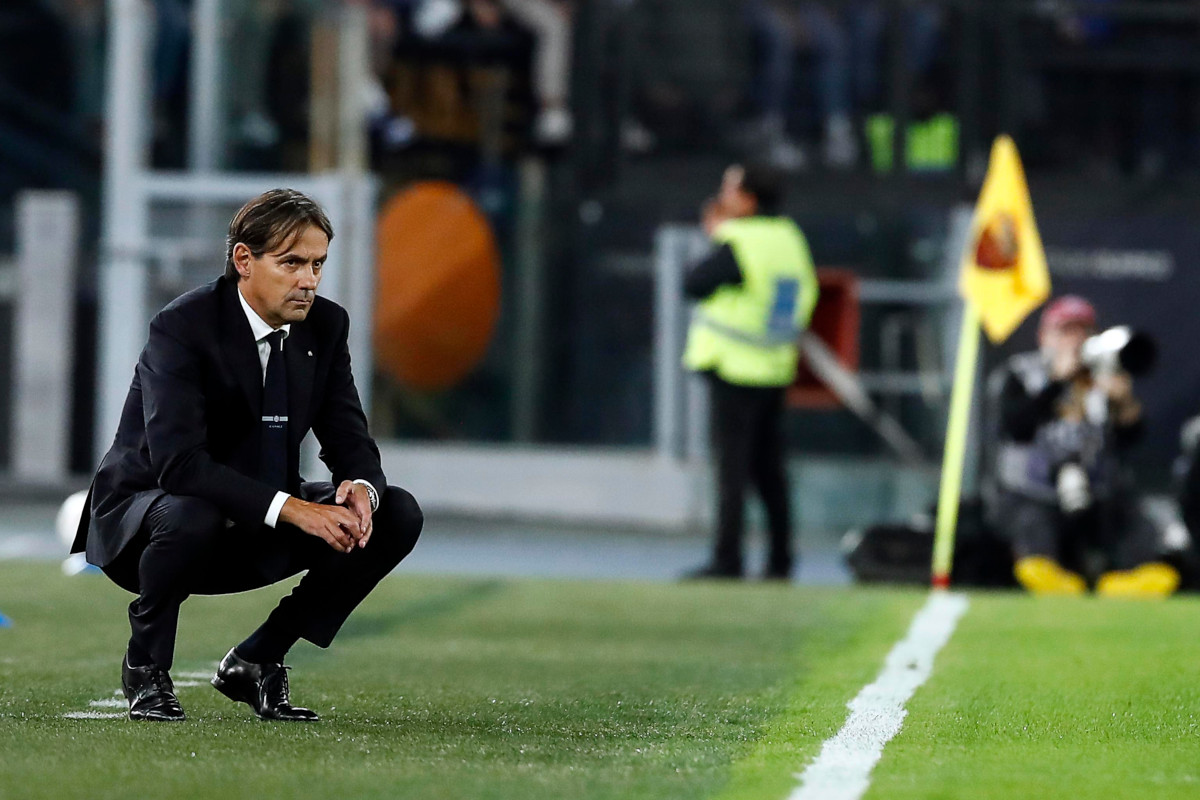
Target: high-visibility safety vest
(747, 334)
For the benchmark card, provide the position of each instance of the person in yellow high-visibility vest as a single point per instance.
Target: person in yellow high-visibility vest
(756, 294)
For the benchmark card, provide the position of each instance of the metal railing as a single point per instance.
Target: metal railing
(680, 399)
(132, 188)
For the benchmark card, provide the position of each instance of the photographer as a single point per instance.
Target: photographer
(1062, 425)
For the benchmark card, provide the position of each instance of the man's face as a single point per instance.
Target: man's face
(280, 286)
(1066, 338)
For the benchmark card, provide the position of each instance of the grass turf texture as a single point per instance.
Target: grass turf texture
(1056, 698)
(522, 689)
(443, 687)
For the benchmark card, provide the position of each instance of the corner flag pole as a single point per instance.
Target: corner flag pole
(956, 445)
(1004, 278)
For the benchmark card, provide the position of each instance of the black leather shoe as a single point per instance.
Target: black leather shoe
(150, 693)
(263, 687)
(711, 572)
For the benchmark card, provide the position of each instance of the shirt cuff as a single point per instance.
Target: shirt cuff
(371, 493)
(276, 506)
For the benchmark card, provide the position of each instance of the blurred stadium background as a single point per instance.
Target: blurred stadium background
(516, 194)
(516, 187)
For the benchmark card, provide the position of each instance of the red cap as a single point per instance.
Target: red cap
(1066, 310)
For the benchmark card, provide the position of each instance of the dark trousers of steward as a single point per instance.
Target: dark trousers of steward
(185, 547)
(747, 435)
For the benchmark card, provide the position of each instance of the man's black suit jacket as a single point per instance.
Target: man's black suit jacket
(190, 425)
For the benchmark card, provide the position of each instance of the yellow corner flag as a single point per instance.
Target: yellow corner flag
(1004, 278)
(1004, 271)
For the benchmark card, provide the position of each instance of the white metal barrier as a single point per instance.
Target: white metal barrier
(128, 248)
(680, 398)
(44, 331)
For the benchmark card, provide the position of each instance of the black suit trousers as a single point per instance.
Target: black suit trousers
(185, 547)
(747, 438)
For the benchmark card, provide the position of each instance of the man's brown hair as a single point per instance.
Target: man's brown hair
(271, 222)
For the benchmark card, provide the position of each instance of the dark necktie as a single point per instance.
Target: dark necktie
(273, 441)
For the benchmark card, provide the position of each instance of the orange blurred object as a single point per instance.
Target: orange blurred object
(438, 289)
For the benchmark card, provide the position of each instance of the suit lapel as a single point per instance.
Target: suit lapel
(300, 355)
(240, 350)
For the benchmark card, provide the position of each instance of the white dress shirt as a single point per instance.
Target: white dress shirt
(261, 331)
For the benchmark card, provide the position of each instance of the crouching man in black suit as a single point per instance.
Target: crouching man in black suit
(201, 491)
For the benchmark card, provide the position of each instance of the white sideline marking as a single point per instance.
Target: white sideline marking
(110, 702)
(842, 771)
(118, 699)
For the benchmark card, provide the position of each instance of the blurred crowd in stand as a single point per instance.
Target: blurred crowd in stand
(51, 98)
(1095, 87)
(797, 82)
(52, 68)
(1116, 94)
(814, 70)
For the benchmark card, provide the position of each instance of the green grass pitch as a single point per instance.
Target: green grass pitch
(480, 688)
